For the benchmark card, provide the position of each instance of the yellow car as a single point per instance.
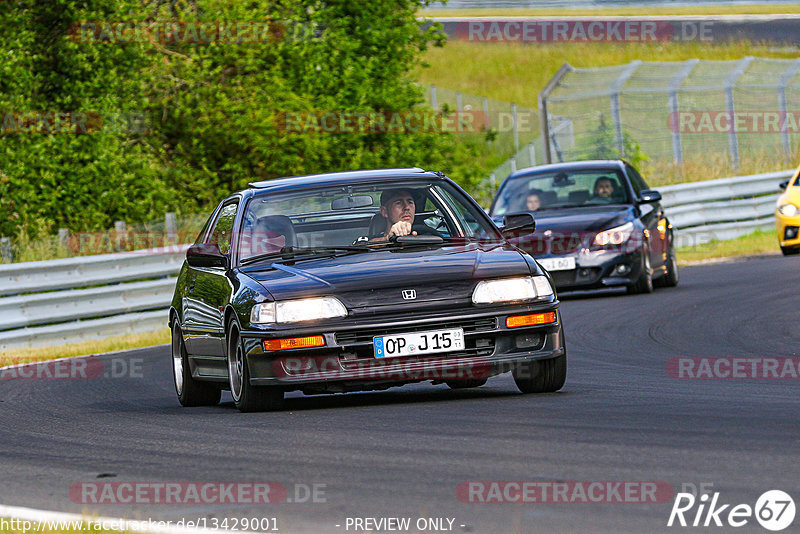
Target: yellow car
(787, 215)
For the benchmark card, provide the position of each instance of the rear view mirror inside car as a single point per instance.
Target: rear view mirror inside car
(350, 202)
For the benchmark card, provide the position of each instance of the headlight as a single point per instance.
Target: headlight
(614, 236)
(789, 210)
(289, 311)
(511, 289)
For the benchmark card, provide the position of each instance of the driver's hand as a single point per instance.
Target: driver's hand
(400, 228)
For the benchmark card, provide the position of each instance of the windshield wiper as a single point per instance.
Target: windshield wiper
(287, 253)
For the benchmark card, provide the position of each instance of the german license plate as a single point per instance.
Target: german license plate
(558, 264)
(415, 343)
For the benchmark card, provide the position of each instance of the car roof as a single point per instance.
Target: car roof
(599, 164)
(342, 178)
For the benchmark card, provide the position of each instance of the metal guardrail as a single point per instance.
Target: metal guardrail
(17, 278)
(89, 297)
(722, 209)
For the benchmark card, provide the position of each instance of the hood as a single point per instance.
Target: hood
(564, 231)
(585, 219)
(438, 275)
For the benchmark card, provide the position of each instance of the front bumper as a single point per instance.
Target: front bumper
(788, 227)
(347, 361)
(598, 269)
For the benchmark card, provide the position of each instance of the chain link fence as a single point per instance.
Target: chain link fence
(678, 111)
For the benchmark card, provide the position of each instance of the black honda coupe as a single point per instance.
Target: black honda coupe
(358, 281)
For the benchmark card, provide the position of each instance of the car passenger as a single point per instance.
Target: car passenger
(533, 202)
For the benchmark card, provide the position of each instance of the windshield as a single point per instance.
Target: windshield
(562, 189)
(349, 219)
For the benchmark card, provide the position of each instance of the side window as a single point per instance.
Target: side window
(637, 181)
(223, 226)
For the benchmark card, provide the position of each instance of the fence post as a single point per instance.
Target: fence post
(782, 82)
(486, 119)
(532, 153)
(513, 165)
(543, 114)
(677, 148)
(616, 115)
(120, 229)
(514, 127)
(733, 139)
(170, 229)
(6, 252)
(63, 236)
(493, 183)
(434, 104)
(459, 106)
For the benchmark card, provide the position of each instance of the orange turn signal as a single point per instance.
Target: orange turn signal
(530, 320)
(294, 343)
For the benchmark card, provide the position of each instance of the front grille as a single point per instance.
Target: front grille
(470, 326)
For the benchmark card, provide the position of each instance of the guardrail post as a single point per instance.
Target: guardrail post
(486, 119)
(616, 115)
(513, 164)
(493, 182)
(543, 114)
(782, 82)
(434, 104)
(677, 148)
(6, 252)
(733, 138)
(532, 153)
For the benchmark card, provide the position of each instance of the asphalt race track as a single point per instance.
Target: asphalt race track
(404, 452)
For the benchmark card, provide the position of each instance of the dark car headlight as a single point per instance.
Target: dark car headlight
(290, 311)
(614, 236)
(511, 289)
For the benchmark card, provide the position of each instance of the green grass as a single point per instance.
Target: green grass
(756, 9)
(759, 242)
(111, 344)
(515, 72)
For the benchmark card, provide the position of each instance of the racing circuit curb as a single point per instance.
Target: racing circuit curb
(42, 516)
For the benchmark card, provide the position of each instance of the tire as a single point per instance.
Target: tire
(790, 251)
(464, 384)
(246, 397)
(645, 282)
(190, 392)
(541, 376)
(671, 278)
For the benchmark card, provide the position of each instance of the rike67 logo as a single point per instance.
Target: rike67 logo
(774, 510)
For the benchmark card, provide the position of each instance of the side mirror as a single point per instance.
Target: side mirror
(206, 255)
(648, 196)
(784, 184)
(517, 225)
